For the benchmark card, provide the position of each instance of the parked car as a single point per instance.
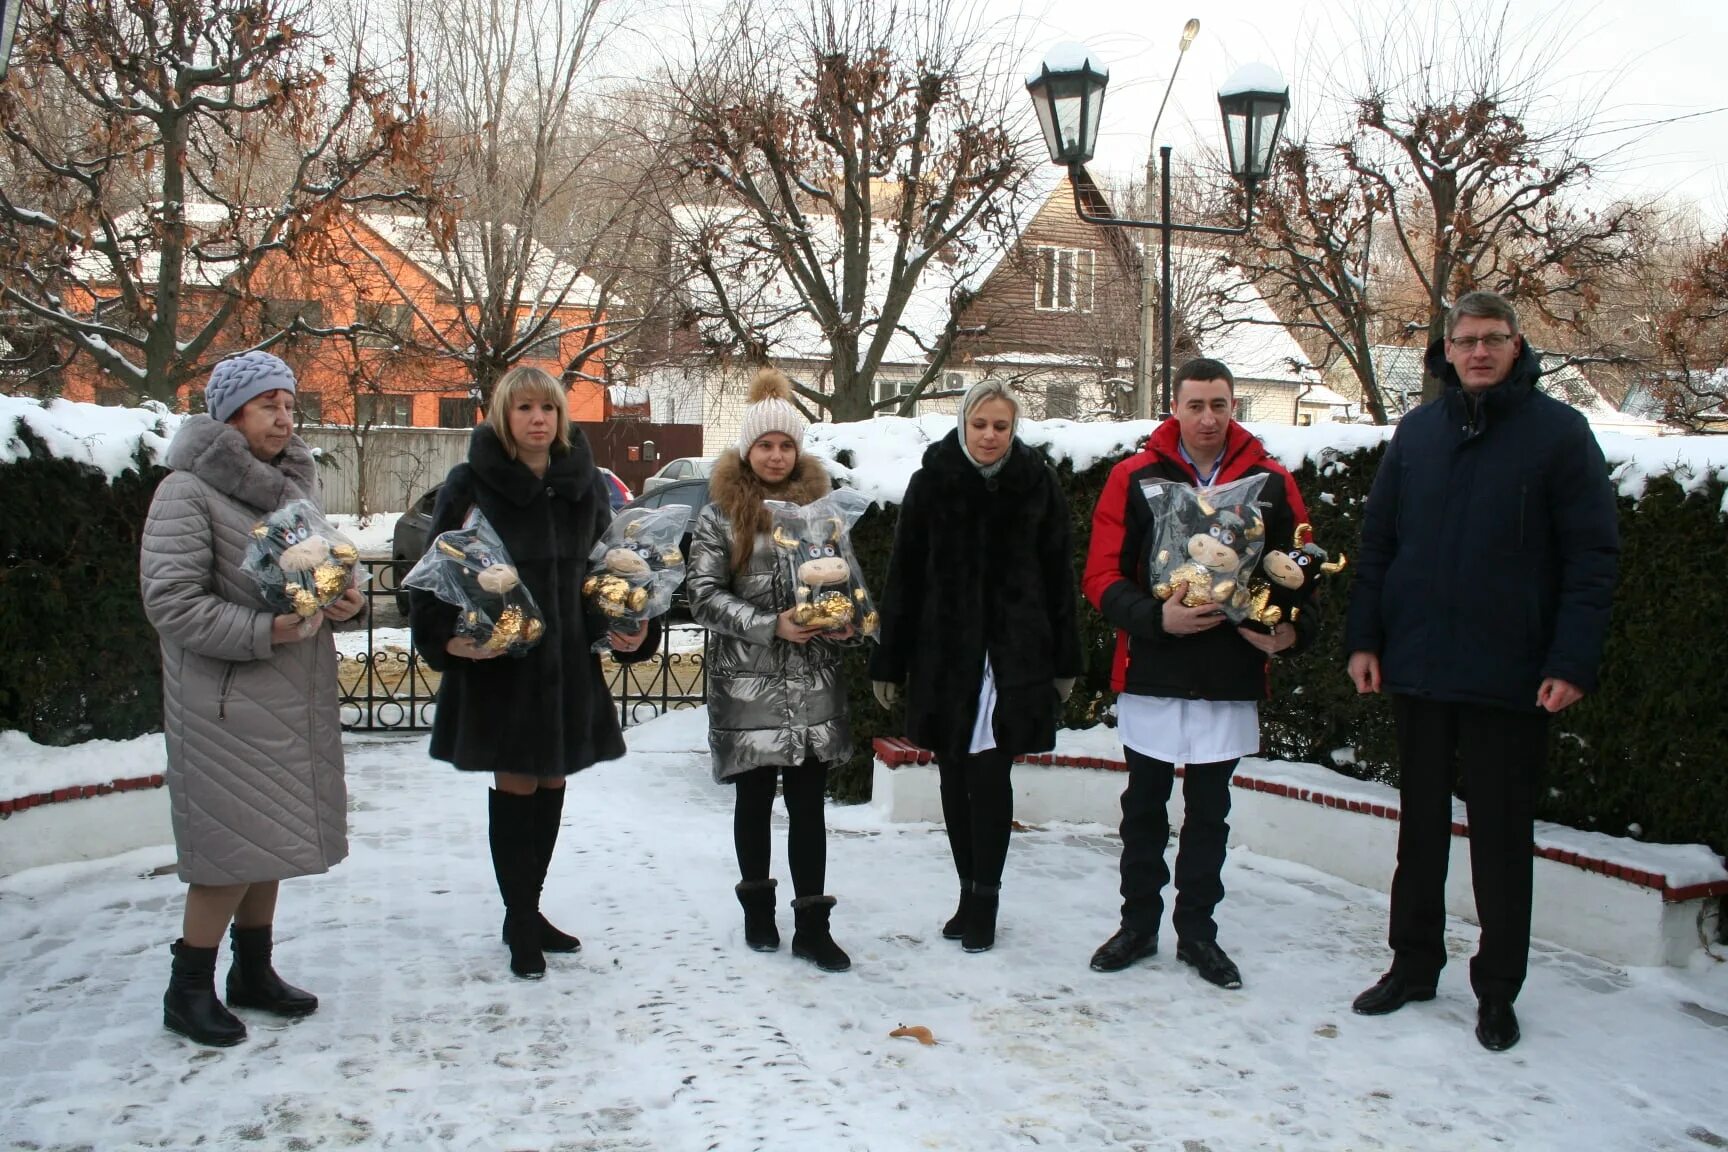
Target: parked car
(683, 468)
(408, 542)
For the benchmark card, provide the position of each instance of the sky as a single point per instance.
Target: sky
(1644, 62)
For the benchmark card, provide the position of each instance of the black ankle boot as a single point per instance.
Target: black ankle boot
(757, 897)
(190, 1006)
(515, 862)
(810, 938)
(253, 983)
(956, 926)
(980, 933)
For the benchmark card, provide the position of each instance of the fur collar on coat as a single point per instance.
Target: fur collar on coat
(217, 454)
(739, 493)
(570, 473)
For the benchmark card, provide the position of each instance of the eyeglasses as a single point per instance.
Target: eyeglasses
(1494, 341)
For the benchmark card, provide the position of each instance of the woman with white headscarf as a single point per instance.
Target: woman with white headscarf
(979, 632)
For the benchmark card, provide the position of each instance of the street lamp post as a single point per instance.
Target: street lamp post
(9, 10)
(1068, 93)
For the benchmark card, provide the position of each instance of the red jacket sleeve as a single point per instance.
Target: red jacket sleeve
(1109, 526)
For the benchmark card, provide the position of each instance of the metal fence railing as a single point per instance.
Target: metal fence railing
(384, 687)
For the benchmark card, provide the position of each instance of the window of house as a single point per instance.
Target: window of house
(309, 408)
(1063, 279)
(1244, 407)
(280, 314)
(390, 323)
(888, 388)
(1306, 419)
(372, 409)
(456, 412)
(545, 348)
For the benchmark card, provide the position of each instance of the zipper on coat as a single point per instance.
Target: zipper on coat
(1523, 503)
(222, 695)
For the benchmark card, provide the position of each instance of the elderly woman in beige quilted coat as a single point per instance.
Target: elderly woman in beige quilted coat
(255, 776)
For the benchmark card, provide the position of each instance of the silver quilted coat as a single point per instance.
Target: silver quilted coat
(255, 774)
(769, 701)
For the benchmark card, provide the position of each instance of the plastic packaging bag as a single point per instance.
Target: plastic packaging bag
(1207, 538)
(469, 568)
(1287, 581)
(300, 561)
(636, 567)
(815, 543)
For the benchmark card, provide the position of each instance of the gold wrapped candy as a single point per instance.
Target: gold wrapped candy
(301, 597)
(829, 611)
(330, 581)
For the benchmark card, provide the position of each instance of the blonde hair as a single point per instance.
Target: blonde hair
(525, 382)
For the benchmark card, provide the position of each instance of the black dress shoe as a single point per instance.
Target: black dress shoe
(1123, 949)
(1206, 958)
(1389, 995)
(1496, 1024)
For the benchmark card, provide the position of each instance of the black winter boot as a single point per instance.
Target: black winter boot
(253, 983)
(956, 926)
(980, 933)
(190, 1006)
(548, 816)
(515, 862)
(810, 939)
(757, 897)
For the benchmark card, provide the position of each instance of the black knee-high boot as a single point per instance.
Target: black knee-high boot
(516, 862)
(548, 817)
(252, 981)
(190, 1006)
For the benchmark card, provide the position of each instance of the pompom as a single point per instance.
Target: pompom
(770, 383)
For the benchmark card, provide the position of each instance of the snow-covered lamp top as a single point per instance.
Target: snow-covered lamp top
(1254, 101)
(1068, 92)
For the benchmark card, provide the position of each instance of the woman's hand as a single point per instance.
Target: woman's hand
(291, 629)
(787, 629)
(465, 647)
(628, 641)
(1281, 637)
(346, 606)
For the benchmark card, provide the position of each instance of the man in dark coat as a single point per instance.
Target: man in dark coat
(1489, 550)
(1188, 682)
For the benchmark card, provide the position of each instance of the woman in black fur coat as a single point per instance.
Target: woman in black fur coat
(979, 632)
(535, 718)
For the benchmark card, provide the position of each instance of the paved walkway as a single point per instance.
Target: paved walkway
(665, 1033)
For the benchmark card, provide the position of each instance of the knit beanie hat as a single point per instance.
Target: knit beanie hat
(770, 410)
(240, 378)
(987, 389)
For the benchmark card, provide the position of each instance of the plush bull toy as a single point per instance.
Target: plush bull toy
(469, 568)
(300, 562)
(815, 542)
(1292, 578)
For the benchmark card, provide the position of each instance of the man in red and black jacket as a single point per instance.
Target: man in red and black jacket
(1189, 682)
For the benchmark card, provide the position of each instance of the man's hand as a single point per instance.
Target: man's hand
(628, 641)
(465, 647)
(1281, 637)
(346, 606)
(1557, 695)
(1365, 672)
(886, 693)
(1181, 620)
(291, 629)
(786, 629)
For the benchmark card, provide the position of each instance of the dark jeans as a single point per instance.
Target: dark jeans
(978, 810)
(806, 832)
(1199, 857)
(1498, 756)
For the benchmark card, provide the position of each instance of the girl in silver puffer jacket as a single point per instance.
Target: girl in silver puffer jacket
(776, 704)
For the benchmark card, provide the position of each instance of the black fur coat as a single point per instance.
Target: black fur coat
(980, 565)
(546, 712)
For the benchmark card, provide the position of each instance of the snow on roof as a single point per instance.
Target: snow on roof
(547, 278)
(1242, 330)
(768, 298)
(1320, 394)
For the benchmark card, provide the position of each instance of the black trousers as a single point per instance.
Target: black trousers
(806, 834)
(1497, 754)
(1199, 856)
(978, 811)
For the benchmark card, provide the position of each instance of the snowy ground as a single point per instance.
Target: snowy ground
(665, 1033)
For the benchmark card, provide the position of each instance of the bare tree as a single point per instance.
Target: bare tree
(159, 154)
(848, 152)
(1691, 383)
(1474, 178)
(541, 207)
